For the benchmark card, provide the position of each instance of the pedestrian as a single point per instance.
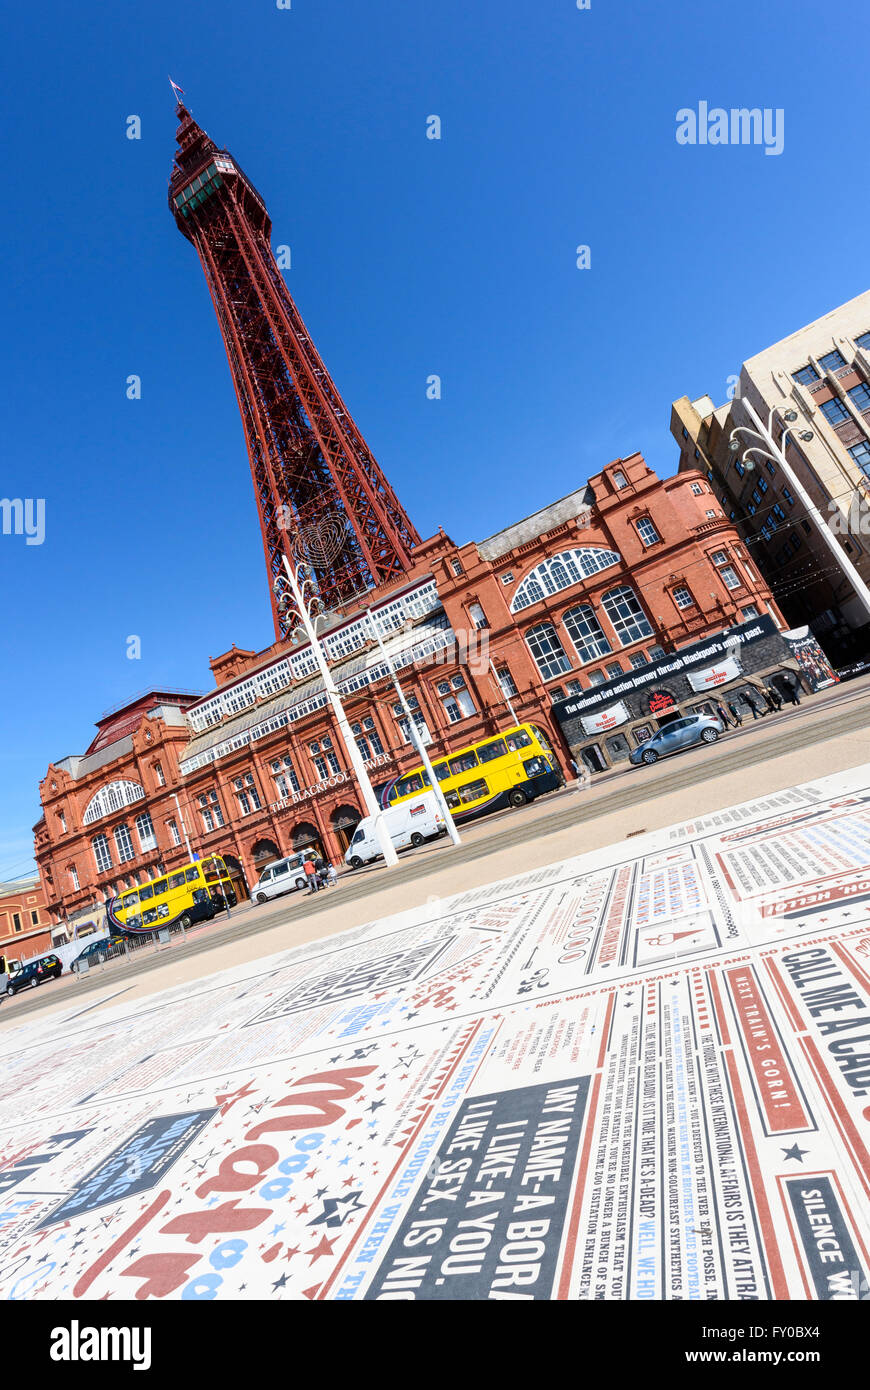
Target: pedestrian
(753, 707)
(722, 715)
(331, 875)
(793, 694)
(769, 701)
(775, 697)
(311, 875)
(735, 711)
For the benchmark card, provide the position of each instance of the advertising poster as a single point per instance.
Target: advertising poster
(815, 666)
(638, 1074)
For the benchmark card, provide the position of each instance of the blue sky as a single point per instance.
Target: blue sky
(409, 257)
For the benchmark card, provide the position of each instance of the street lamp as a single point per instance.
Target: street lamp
(414, 735)
(294, 602)
(768, 448)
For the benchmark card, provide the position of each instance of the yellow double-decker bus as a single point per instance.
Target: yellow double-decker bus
(507, 769)
(192, 893)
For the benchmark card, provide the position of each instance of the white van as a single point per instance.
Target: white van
(282, 876)
(409, 823)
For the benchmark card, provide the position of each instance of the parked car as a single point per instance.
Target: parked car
(282, 876)
(674, 737)
(99, 951)
(409, 823)
(34, 973)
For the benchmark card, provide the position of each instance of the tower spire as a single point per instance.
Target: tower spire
(315, 480)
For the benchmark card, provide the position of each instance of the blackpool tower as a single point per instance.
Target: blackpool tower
(320, 494)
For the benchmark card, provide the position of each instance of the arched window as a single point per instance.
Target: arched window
(561, 572)
(586, 633)
(622, 607)
(114, 796)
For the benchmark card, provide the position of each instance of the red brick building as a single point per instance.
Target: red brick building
(594, 585)
(25, 927)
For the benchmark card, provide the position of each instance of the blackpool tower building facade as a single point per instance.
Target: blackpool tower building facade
(317, 485)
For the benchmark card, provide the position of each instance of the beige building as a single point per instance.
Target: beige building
(822, 373)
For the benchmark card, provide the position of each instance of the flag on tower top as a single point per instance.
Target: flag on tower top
(179, 91)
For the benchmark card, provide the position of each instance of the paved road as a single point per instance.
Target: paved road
(827, 716)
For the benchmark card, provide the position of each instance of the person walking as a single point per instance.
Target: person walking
(793, 694)
(772, 706)
(735, 711)
(311, 874)
(722, 715)
(757, 712)
(331, 875)
(775, 697)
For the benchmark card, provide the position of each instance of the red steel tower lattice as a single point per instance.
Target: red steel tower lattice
(314, 475)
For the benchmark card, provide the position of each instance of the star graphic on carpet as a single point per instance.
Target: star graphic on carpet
(376, 1104)
(279, 1283)
(795, 1153)
(364, 1051)
(336, 1210)
(324, 1247)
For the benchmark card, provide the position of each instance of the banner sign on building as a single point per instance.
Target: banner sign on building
(815, 666)
(661, 701)
(699, 654)
(714, 676)
(606, 719)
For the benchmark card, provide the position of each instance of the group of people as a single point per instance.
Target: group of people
(319, 874)
(770, 702)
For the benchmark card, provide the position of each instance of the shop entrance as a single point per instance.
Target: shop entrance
(307, 836)
(593, 758)
(344, 821)
(237, 877)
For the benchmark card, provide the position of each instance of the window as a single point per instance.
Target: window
(637, 659)
(285, 775)
(457, 567)
(629, 621)
(74, 875)
(861, 455)
(210, 810)
(697, 454)
(806, 526)
(685, 432)
(806, 374)
(741, 471)
(697, 489)
(778, 512)
(174, 832)
(123, 843)
(246, 794)
(113, 797)
(597, 677)
(619, 479)
(834, 411)
(682, 598)
(860, 396)
(613, 670)
(161, 779)
(863, 340)
(324, 758)
(507, 577)
(726, 571)
(16, 921)
(367, 740)
(62, 818)
(556, 692)
(102, 853)
(145, 831)
(788, 497)
(711, 515)
(506, 681)
(420, 724)
(456, 699)
(832, 360)
(573, 687)
(547, 650)
(647, 532)
(586, 633)
(477, 616)
(750, 612)
(561, 572)
(771, 467)
(655, 653)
